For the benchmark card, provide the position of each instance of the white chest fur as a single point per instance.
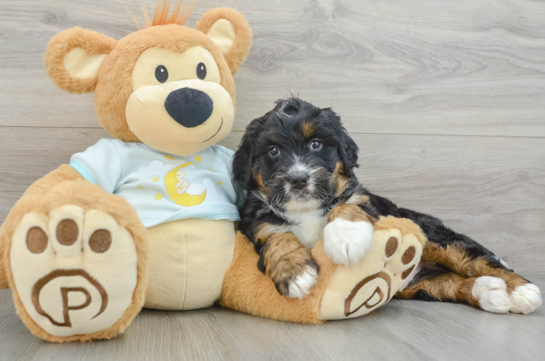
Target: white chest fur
(307, 223)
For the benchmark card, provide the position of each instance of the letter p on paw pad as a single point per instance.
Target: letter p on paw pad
(74, 271)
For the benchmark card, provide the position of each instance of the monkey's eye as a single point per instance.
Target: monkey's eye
(315, 145)
(274, 151)
(201, 71)
(161, 74)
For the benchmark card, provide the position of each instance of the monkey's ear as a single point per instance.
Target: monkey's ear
(230, 32)
(73, 57)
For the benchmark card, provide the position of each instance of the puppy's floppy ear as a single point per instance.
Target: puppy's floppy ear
(242, 163)
(348, 150)
(231, 33)
(73, 57)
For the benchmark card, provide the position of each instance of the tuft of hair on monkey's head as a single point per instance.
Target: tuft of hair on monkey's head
(161, 17)
(165, 85)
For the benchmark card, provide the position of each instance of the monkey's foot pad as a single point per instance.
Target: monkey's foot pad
(75, 271)
(356, 290)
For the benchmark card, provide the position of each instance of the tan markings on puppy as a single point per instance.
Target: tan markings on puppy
(265, 230)
(341, 184)
(449, 286)
(339, 168)
(358, 199)
(258, 179)
(262, 189)
(308, 129)
(341, 181)
(285, 258)
(455, 258)
(350, 213)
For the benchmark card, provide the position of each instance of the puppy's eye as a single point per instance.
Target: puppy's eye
(201, 71)
(274, 151)
(161, 74)
(316, 145)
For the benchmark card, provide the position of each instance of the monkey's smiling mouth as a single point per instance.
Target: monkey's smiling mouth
(221, 125)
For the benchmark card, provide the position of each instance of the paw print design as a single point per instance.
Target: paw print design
(75, 271)
(360, 288)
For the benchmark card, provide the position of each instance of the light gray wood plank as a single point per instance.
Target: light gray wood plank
(414, 67)
(492, 188)
(405, 330)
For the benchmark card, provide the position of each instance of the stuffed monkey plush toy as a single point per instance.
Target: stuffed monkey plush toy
(146, 219)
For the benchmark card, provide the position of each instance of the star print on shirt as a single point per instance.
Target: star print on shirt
(169, 157)
(198, 159)
(155, 179)
(220, 183)
(141, 187)
(158, 196)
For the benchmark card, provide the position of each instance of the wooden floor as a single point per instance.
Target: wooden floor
(401, 330)
(446, 100)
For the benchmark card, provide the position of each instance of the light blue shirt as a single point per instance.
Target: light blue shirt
(164, 187)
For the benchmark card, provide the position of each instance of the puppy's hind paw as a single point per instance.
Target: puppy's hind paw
(525, 299)
(492, 294)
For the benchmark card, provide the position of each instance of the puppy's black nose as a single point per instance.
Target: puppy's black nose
(298, 181)
(189, 107)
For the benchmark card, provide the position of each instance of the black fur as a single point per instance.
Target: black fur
(424, 296)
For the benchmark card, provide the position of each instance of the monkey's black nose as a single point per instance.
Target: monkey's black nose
(298, 181)
(189, 107)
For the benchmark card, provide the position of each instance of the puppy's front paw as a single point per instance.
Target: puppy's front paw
(303, 282)
(346, 242)
(290, 265)
(294, 280)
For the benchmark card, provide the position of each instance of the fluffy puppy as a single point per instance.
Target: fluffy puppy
(297, 164)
